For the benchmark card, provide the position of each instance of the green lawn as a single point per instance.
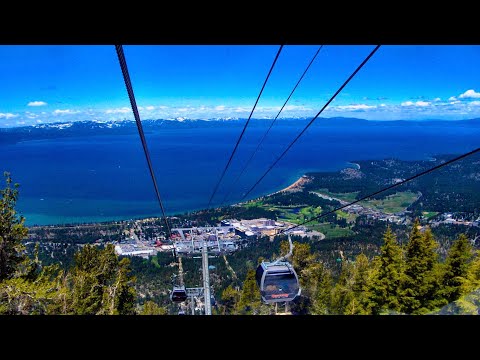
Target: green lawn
(342, 214)
(351, 196)
(429, 214)
(253, 204)
(348, 216)
(331, 231)
(392, 203)
(303, 215)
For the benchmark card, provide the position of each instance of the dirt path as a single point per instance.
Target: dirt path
(234, 276)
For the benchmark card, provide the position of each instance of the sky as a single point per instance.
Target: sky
(56, 83)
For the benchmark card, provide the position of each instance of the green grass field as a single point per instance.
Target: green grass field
(304, 214)
(348, 216)
(351, 196)
(331, 231)
(393, 203)
(429, 214)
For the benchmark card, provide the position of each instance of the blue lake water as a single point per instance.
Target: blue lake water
(100, 178)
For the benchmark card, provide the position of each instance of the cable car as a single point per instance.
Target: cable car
(178, 294)
(278, 281)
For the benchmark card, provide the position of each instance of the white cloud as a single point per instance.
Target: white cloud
(475, 103)
(122, 110)
(20, 122)
(354, 107)
(295, 107)
(383, 105)
(7, 115)
(37, 103)
(422, 103)
(452, 98)
(418, 103)
(437, 99)
(220, 107)
(65, 112)
(470, 94)
(150, 108)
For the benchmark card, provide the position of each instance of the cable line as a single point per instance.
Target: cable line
(271, 125)
(387, 188)
(311, 121)
(244, 128)
(133, 103)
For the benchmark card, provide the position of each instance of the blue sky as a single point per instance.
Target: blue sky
(44, 84)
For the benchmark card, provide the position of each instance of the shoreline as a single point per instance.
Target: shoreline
(296, 186)
(356, 165)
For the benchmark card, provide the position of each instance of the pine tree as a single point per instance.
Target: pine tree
(342, 293)
(101, 284)
(151, 308)
(419, 289)
(350, 295)
(12, 232)
(473, 282)
(250, 298)
(389, 275)
(230, 298)
(302, 256)
(361, 287)
(25, 287)
(322, 290)
(33, 296)
(456, 269)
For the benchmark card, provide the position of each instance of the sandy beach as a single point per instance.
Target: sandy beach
(297, 185)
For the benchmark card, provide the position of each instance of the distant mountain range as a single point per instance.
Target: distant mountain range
(90, 128)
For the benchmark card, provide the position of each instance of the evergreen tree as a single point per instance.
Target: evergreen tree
(25, 287)
(230, 298)
(389, 275)
(12, 232)
(101, 283)
(38, 296)
(302, 256)
(473, 276)
(419, 289)
(359, 305)
(456, 269)
(351, 292)
(151, 308)
(250, 298)
(342, 293)
(322, 290)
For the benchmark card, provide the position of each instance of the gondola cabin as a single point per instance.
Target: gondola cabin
(278, 282)
(178, 294)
